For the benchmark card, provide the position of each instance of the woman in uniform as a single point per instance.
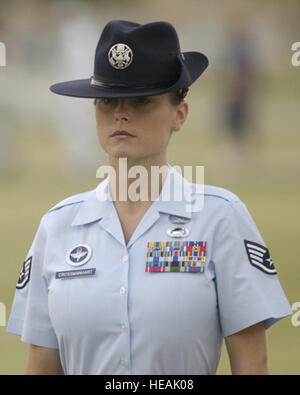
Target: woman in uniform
(118, 285)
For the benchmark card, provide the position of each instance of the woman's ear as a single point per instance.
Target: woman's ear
(180, 116)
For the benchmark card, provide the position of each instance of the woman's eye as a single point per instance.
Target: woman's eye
(143, 100)
(135, 101)
(107, 100)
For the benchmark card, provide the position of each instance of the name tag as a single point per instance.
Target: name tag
(75, 273)
(176, 256)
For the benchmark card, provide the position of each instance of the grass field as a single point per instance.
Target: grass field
(266, 177)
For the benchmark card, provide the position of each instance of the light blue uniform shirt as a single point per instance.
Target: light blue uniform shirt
(119, 318)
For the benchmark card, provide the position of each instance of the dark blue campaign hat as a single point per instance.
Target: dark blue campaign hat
(134, 60)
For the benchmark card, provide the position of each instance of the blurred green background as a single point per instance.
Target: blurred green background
(49, 150)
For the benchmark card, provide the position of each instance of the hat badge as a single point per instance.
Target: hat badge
(120, 56)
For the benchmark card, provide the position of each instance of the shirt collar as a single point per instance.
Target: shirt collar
(176, 195)
(175, 199)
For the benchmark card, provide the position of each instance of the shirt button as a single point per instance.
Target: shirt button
(122, 290)
(123, 327)
(125, 258)
(122, 362)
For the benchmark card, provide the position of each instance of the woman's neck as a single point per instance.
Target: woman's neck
(136, 181)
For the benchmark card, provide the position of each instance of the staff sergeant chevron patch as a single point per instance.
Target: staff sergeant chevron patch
(25, 274)
(259, 257)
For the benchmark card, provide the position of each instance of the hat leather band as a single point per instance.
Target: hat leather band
(97, 82)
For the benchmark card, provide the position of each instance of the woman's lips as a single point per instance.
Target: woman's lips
(121, 134)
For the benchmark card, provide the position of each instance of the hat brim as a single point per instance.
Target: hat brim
(194, 64)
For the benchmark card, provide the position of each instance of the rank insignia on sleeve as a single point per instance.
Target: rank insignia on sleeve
(259, 257)
(25, 274)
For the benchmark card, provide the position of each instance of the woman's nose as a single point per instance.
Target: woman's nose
(122, 110)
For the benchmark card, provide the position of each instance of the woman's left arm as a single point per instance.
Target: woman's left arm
(247, 350)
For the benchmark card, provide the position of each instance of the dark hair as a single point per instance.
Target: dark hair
(176, 97)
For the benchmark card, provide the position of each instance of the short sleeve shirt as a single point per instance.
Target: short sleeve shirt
(161, 304)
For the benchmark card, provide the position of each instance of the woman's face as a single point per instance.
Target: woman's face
(138, 128)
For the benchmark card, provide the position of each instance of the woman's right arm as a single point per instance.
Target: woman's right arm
(42, 360)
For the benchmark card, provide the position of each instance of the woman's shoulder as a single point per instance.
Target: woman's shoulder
(71, 200)
(64, 212)
(216, 201)
(215, 192)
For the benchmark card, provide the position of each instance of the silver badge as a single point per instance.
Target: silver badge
(178, 232)
(174, 219)
(120, 56)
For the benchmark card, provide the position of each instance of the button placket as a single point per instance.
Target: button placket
(124, 355)
(122, 363)
(122, 290)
